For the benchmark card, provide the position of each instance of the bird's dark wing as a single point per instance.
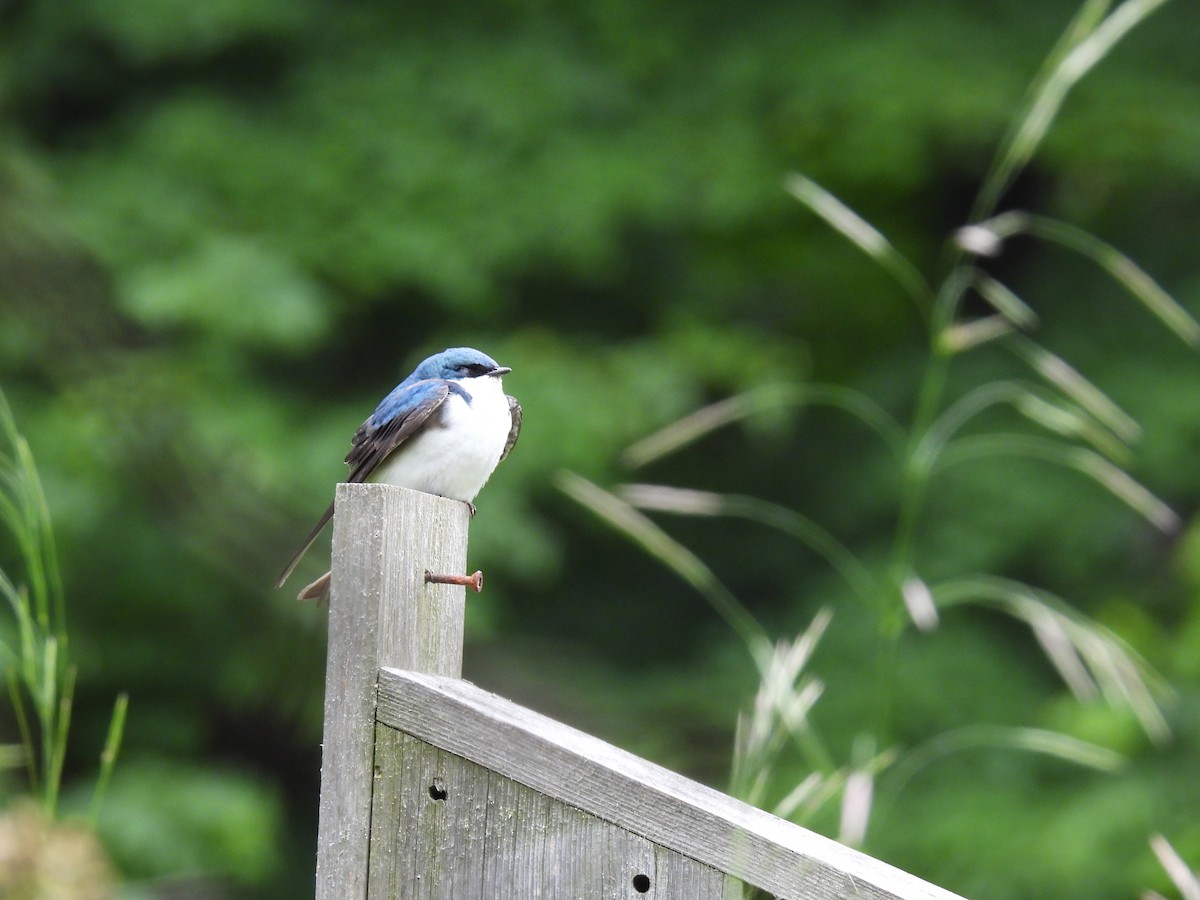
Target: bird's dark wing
(394, 421)
(514, 409)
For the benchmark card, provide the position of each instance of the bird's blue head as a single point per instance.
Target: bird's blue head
(457, 363)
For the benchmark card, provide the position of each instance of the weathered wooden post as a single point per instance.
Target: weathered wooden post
(434, 788)
(381, 613)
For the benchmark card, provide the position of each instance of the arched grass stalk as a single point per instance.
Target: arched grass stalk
(1068, 421)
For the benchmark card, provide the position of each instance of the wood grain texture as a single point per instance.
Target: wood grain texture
(381, 613)
(578, 771)
(444, 828)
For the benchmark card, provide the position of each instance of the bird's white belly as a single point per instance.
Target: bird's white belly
(455, 458)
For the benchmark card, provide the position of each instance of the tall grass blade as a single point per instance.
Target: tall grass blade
(1124, 487)
(1005, 302)
(780, 711)
(674, 555)
(1071, 422)
(864, 236)
(23, 728)
(959, 337)
(58, 747)
(108, 756)
(1051, 632)
(683, 501)
(1088, 656)
(1086, 462)
(1088, 39)
(25, 662)
(48, 683)
(1123, 270)
(829, 787)
(1036, 404)
(1062, 375)
(1029, 740)
(801, 794)
(40, 679)
(958, 414)
(707, 419)
(1039, 741)
(49, 571)
(1177, 870)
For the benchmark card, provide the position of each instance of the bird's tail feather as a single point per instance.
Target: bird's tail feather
(318, 590)
(308, 542)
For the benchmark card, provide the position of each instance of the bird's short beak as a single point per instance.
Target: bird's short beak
(500, 370)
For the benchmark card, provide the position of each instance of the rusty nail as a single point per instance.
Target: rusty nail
(473, 581)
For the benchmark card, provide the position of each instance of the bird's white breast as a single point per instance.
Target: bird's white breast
(457, 449)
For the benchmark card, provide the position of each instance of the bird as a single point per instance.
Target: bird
(442, 430)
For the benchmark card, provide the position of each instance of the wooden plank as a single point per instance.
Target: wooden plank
(444, 828)
(680, 877)
(427, 822)
(381, 613)
(638, 796)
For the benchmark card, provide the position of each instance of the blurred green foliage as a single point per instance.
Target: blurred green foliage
(227, 229)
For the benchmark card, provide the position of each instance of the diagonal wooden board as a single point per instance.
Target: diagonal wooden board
(645, 799)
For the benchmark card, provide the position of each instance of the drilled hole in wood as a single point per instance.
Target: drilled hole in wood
(437, 792)
(641, 883)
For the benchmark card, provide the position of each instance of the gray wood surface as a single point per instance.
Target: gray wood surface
(381, 613)
(444, 828)
(575, 770)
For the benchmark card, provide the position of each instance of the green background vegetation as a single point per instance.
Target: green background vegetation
(228, 228)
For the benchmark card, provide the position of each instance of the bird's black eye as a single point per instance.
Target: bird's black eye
(474, 370)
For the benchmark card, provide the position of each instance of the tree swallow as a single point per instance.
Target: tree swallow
(442, 430)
